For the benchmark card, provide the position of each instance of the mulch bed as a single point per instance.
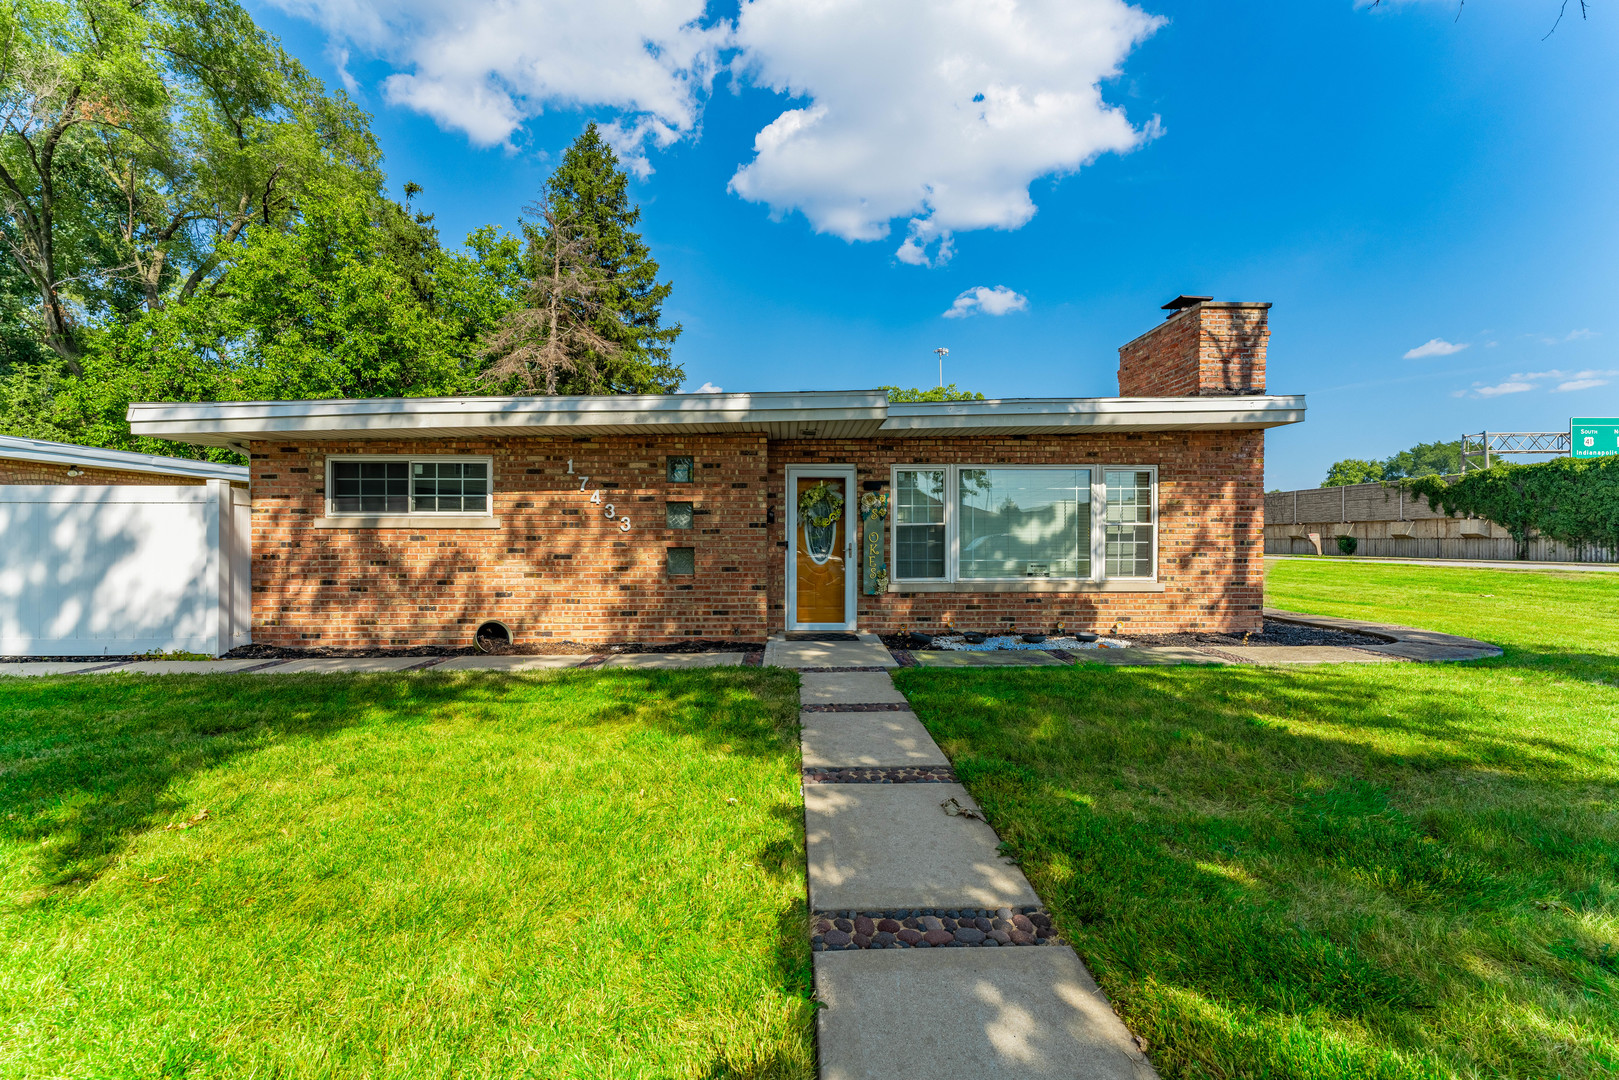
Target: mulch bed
(1275, 632)
(931, 928)
(549, 648)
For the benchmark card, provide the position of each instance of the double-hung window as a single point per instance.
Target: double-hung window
(379, 485)
(969, 523)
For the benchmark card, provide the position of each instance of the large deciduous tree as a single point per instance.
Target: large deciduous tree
(140, 142)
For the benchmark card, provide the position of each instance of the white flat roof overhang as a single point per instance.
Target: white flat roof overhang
(810, 414)
(17, 448)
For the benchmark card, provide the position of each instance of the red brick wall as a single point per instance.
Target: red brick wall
(556, 567)
(13, 471)
(1206, 349)
(1211, 531)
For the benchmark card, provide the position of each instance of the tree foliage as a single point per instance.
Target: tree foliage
(1574, 502)
(187, 215)
(1353, 471)
(1423, 459)
(140, 142)
(936, 393)
(587, 197)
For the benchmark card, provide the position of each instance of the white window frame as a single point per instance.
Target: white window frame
(1100, 524)
(952, 537)
(487, 514)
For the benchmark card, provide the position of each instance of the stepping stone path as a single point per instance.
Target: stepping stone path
(933, 955)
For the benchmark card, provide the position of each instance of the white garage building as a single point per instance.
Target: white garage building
(109, 553)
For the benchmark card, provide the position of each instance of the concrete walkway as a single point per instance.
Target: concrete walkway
(934, 959)
(360, 665)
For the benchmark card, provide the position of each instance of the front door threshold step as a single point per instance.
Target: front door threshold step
(965, 1014)
(875, 846)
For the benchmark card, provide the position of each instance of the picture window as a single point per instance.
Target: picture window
(680, 470)
(678, 515)
(682, 561)
(976, 523)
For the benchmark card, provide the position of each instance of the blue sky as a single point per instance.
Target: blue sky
(1388, 177)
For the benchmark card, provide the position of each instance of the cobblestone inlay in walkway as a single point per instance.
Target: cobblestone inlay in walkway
(931, 928)
(903, 774)
(879, 706)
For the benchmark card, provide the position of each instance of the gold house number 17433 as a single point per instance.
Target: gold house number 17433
(596, 500)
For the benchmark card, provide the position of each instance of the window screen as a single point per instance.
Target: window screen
(919, 524)
(370, 487)
(1018, 523)
(682, 561)
(1129, 523)
(678, 515)
(454, 487)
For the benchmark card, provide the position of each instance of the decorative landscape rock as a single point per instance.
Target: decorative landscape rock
(931, 928)
(903, 774)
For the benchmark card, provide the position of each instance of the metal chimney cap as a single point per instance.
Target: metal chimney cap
(1184, 301)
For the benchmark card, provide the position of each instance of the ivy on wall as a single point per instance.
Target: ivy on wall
(1574, 502)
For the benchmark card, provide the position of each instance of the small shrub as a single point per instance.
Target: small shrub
(1348, 544)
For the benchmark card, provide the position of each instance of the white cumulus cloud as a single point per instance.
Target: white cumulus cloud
(1433, 347)
(939, 113)
(709, 388)
(485, 66)
(942, 113)
(984, 300)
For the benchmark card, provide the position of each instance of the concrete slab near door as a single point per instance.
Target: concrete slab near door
(873, 739)
(986, 658)
(1028, 1013)
(1306, 654)
(849, 688)
(509, 663)
(1154, 656)
(188, 667)
(878, 846)
(867, 652)
(51, 667)
(346, 665)
(673, 661)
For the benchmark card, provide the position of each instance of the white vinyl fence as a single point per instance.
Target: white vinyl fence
(98, 571)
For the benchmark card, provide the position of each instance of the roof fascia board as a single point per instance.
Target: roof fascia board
(95, 457)
(1135, 413)
(410, 414)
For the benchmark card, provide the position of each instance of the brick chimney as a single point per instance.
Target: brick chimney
(1203, 349)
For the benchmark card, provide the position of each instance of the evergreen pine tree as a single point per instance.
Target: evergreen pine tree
(591, 192)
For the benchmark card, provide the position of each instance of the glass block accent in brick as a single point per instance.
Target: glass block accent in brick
(680, 469)
(678, 515)
(682, 561)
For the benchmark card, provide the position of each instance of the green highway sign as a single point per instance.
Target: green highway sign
(1593, 437)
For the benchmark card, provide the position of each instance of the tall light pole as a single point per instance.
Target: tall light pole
(942, 353)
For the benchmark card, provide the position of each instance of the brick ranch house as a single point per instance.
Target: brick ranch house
(407, 522)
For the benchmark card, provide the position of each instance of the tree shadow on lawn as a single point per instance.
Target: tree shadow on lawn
(1252, 856)
(87, 763)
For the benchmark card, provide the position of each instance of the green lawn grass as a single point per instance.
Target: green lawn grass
(1397, 870)
(588, 874)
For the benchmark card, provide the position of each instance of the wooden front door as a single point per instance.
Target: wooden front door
(819, 556)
